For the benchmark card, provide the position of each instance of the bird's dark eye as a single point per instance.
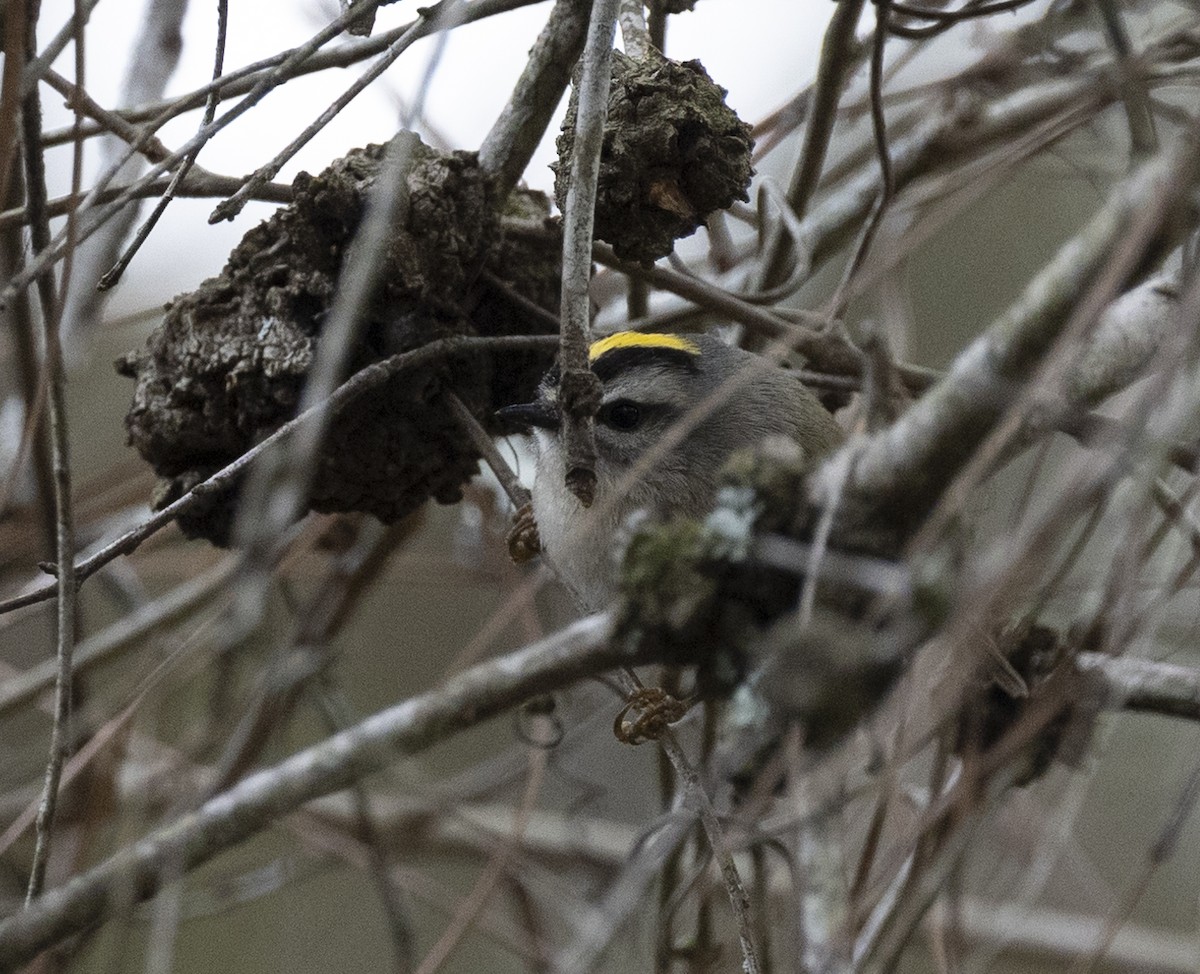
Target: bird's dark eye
(622, 415)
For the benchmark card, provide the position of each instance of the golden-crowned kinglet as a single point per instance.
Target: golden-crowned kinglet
(674, 408)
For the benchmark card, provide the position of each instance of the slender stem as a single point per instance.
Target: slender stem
(336, 712)
(35, 191)
(657, 24)
(256, 803)
(366, 379)
(83, 104)
(887, 176)
(579, 389)
(442, 17)
(632, 18)
(243, 79)
(899, 467)
(157, 50)
(516, 491)
(714, 831)
(198, 185)
(210, 110)
(36, 67)
(1144, 685)
(111, 642)
(268, 82)
(838, 55)
(1138, 111)
(510, 144)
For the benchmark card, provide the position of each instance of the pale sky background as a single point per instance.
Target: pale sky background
(763, 51)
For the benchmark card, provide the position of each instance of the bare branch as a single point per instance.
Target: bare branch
(901, 468)
(336, 763)
(154, 56)
(579, 389)
(508, 147)
(35, 191)
(370, 377)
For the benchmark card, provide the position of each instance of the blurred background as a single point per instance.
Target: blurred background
(415, 602)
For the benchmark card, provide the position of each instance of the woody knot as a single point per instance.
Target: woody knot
(580, 392)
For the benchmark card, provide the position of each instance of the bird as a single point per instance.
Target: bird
(674, 407)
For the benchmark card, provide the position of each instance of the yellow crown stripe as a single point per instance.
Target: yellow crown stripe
(638, 339)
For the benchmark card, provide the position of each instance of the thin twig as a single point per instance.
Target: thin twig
(579, 388)
(840, 53)
(972, 10)
(887, 176)
(32, 380)
(632, 18)
(35, 191)
(243, 79)
(714, 298)
(472, 904)
(366, 379)
(934, 437)
(413, 114)
(510, 293)
(1163, 849)
(510, 144)
(517, 492)
(626, 894)
(198, 185)
(827, 351)
(156, 52)
(714, 831)
(24, 330)
(337, 718)
(824, 903)
(1142, 136)
(84, 105)
(277, 489)
(53, 251)
(110, 642)
(934, 144)
(1143, 685)
(113, 275)
(259, 801)
(657, 24)
(35, 68)
(307, 657)
(444, 16)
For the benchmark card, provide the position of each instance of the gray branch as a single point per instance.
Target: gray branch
(510, 144)
(152, 62)
(900, 469)
(336, 763)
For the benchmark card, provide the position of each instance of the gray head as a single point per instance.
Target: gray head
(674, 408)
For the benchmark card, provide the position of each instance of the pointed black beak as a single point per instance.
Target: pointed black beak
(529, 414)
